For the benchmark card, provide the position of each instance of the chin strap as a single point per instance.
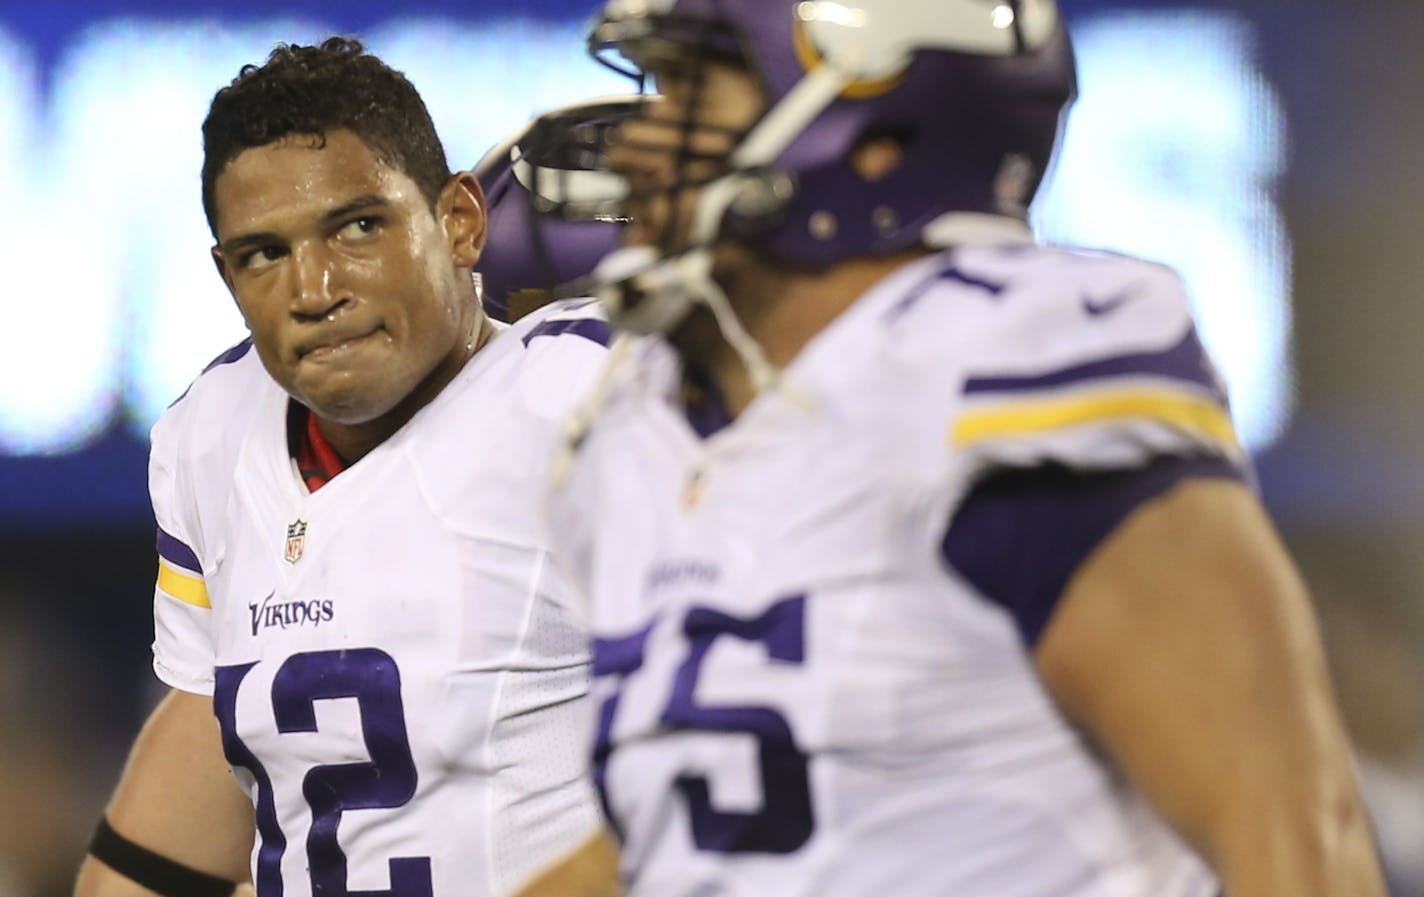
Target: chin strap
(645, 295)
(764, 375)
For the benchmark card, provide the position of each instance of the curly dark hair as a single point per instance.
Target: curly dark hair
(317, 90)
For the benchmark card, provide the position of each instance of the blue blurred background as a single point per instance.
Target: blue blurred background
(1268, 150)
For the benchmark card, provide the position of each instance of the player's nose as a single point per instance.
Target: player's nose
(313, 293)
(642, 151)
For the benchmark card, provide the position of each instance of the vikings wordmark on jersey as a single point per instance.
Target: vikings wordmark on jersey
(399, 685)
(792, 674)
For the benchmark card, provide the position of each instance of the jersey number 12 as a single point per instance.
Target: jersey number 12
(387, 780)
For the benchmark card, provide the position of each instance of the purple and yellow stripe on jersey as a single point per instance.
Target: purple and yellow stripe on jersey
(1194, 415)
(179, 572)
(1177, 387)
(1186, 362)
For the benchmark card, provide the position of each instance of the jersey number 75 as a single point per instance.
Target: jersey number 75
(784, 823)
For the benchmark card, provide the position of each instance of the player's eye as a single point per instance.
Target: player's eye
(260, 257)
(359, 228)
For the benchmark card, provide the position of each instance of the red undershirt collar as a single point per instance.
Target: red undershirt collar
(317, 461)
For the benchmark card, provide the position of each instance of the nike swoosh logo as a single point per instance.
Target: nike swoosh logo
(1099, 307)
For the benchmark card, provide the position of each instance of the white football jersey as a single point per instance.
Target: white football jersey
(798, 696)
(399, 684)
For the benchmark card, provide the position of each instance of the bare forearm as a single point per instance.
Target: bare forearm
(590, 871)
(1284, 816)
(1187, 647)
(176, 815)
(1328, 851)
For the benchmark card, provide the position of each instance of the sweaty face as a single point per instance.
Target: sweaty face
(356, 293)
(681, 142)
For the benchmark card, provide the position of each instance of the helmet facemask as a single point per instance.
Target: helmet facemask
(555, 207)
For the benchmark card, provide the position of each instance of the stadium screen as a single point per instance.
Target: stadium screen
(1172, 152)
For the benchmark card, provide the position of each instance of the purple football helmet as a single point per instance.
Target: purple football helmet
(554, 209)
(973, 89)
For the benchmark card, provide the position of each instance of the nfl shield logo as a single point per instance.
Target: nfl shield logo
(296, 541)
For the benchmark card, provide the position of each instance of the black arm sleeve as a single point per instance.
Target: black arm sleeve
(152, 870)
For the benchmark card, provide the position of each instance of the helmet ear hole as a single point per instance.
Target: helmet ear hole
(876, 158)
(879, 152)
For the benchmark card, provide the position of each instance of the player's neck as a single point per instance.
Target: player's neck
(782, 311)
(353, 441)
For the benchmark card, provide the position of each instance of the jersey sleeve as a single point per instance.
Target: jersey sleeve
(568, 355)
(566, 348)
(183, 649)
(1021, 534)
(1106, 374)
(1088, 395)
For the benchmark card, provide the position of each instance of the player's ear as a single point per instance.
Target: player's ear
(221, 264)
(461, 209)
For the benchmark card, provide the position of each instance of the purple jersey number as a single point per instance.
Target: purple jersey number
(784, 823)
(386, 781)
(613, 657)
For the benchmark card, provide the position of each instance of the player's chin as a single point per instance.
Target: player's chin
(349, 399)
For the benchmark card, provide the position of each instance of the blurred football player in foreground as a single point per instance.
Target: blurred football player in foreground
(923, 559)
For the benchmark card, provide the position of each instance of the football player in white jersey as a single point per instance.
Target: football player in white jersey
(356, 606)
(922, 560)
